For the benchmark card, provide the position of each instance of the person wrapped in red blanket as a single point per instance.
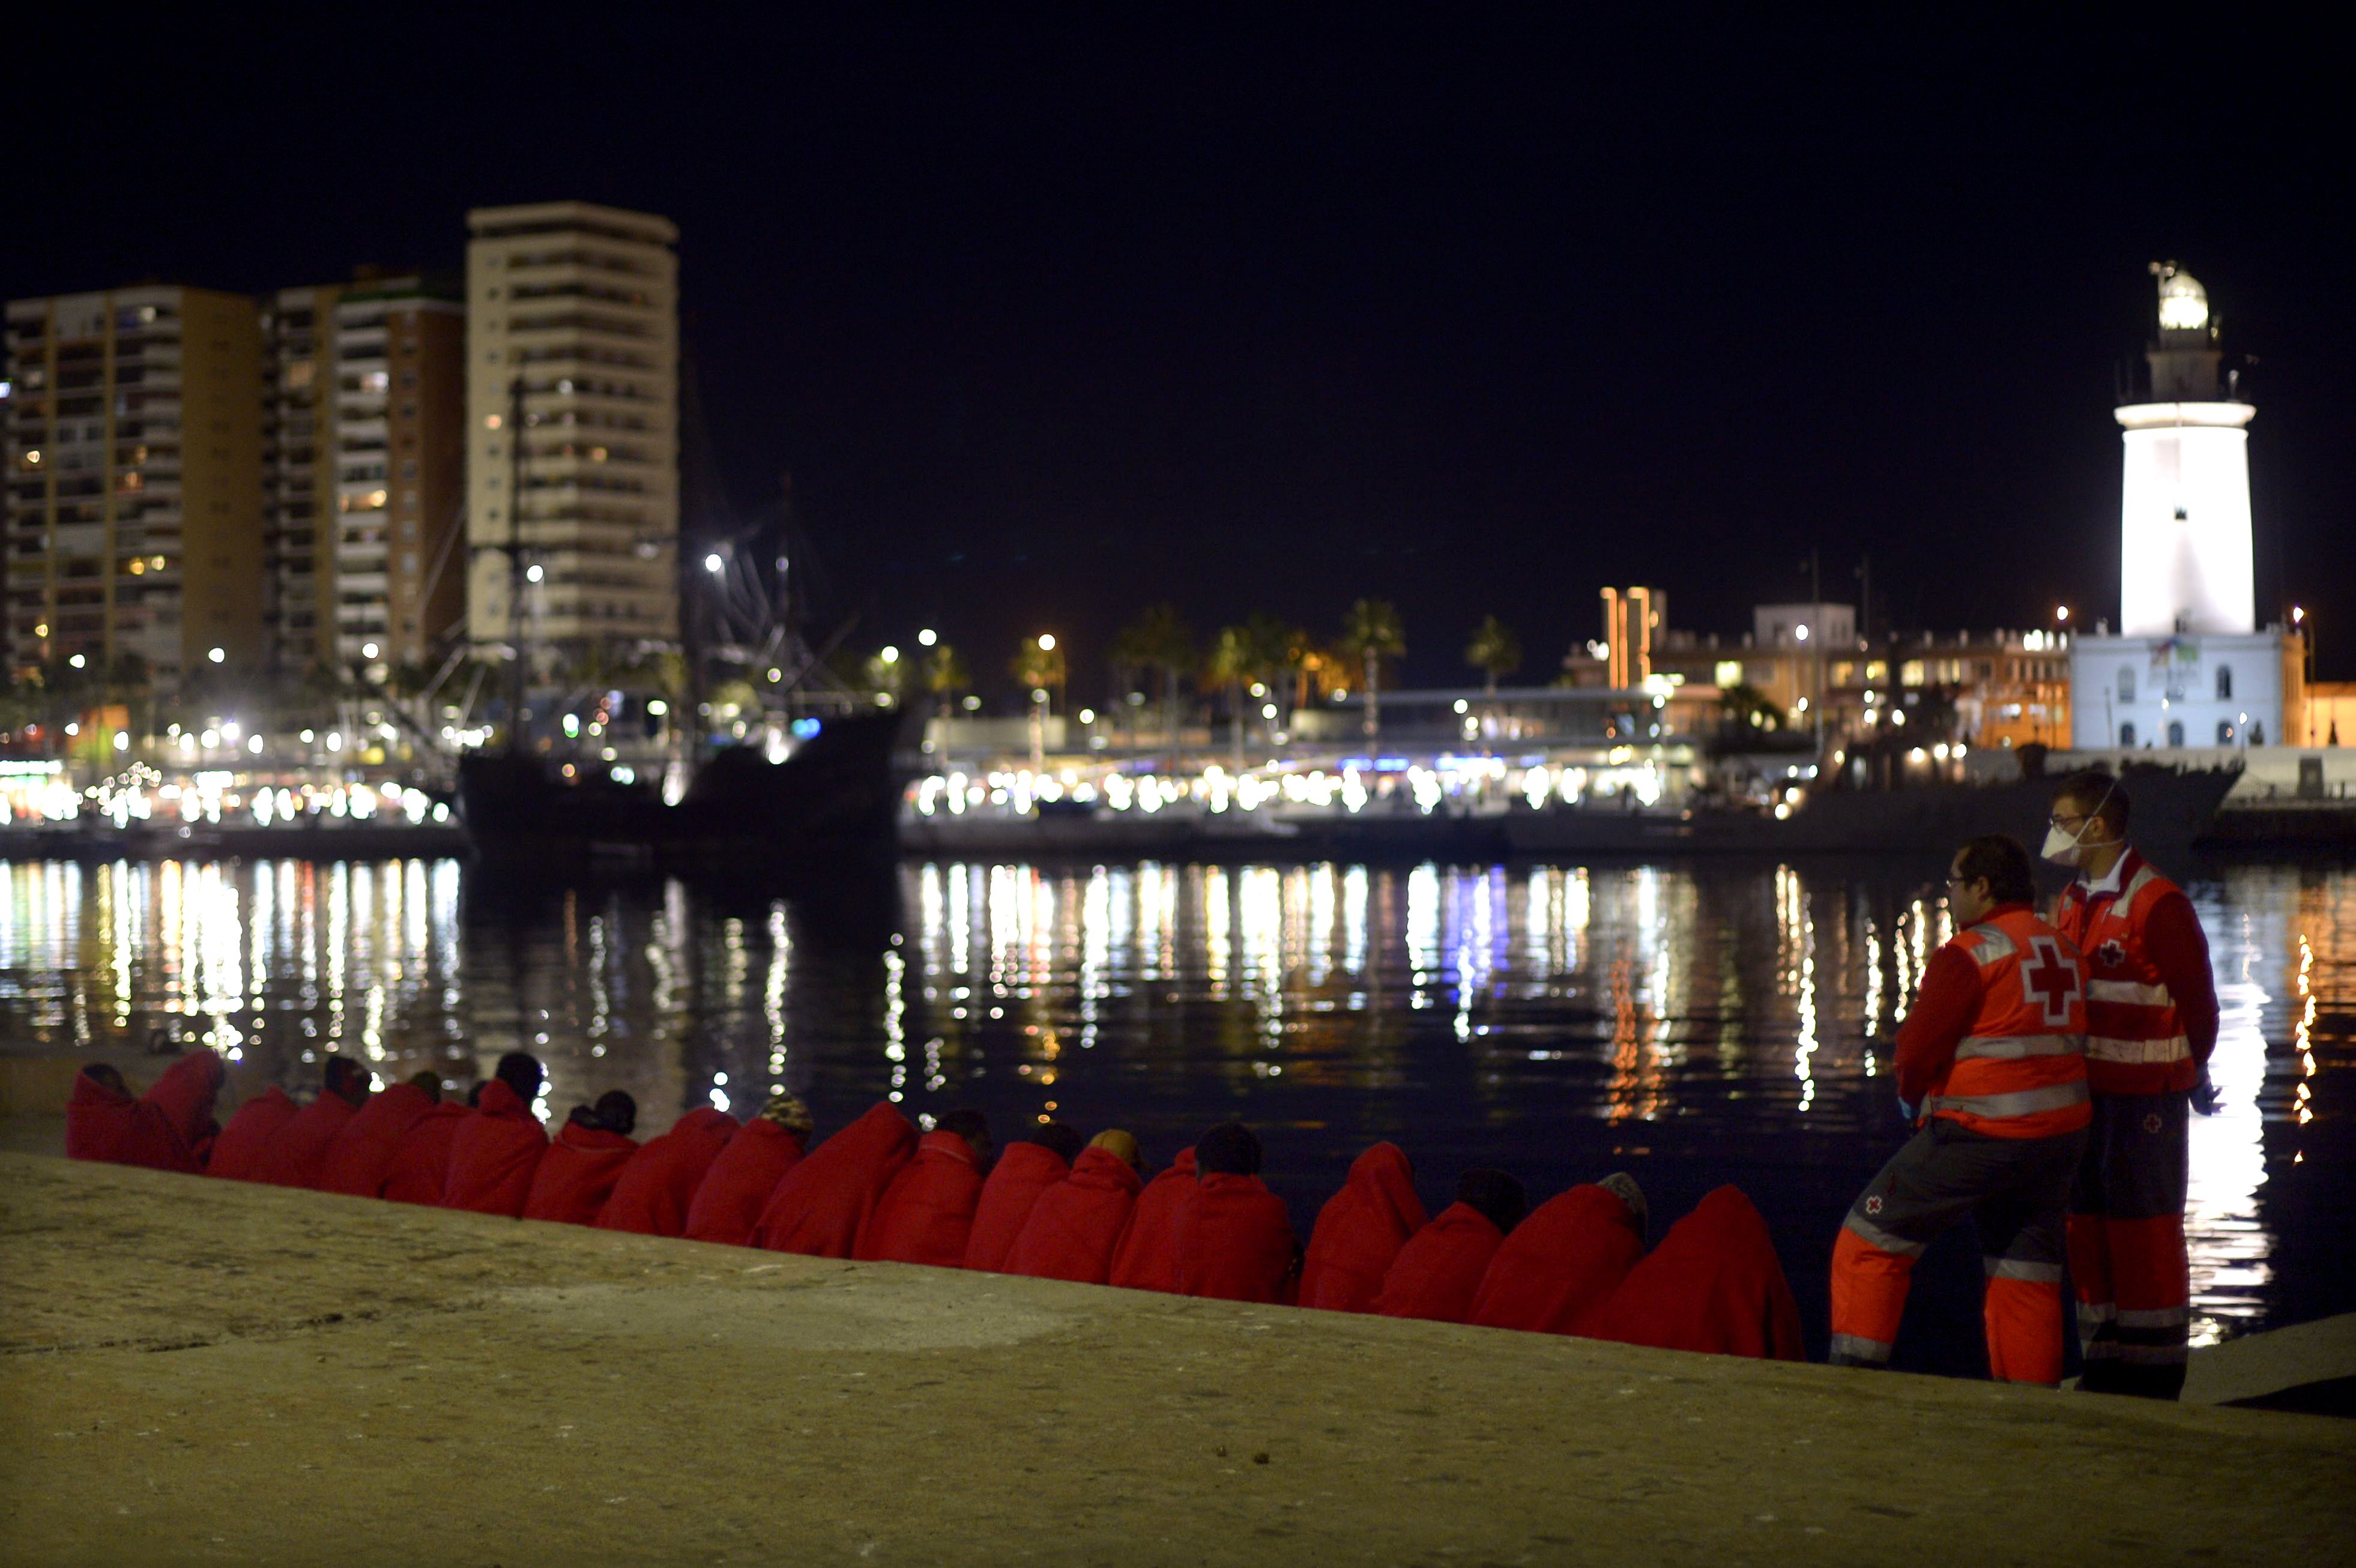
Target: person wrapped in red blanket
(926, 1215)
(1360, 1231)
(1075, 1225)
(170, 1128)
(498, 1147)
(421, 1162)
(656, 1188)
(1439, 1272)
(1570, 1253)
(298, 1155)
(583, 1161)
(1714, 1284)
(1025, 1171)
(241, 1152)
(1147, 1257)
(729, 1200)
(362, 1157)
(1234, 1240)
(820, 1205)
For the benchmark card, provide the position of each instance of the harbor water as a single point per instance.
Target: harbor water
(1693, 1023)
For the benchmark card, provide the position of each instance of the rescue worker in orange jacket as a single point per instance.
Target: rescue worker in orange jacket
(1990, 1069)
(2151, 1023)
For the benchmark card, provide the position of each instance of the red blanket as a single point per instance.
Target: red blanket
(1147, 1257)
(1572, 1250)
(1021, 1174)
(659, 1182)
(1714, 1283)
(1235, 1241)
(166, 1128)
(1076, 1224)
(577, 1174)
(820, 1204)
(299, 1153)
(1439, 1270)
(361, 1157)
(494, 1154)
(1360, 1231)
(420, 1167)
(729, 1200)
(241, 1153)
(926, 1216)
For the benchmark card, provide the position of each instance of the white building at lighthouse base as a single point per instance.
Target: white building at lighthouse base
(2183, 688)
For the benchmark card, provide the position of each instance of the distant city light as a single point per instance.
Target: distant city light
(1087, 715)
(77, 661)
(533, 573)
(2061, 612)
(367, 650)
(1047, 642)
(712, 563)
(217, 655)
(1800, 633)
(253, 744)
(928, 637)
(658, 707)
(891, 655)
(122, 740)
(2296, 614)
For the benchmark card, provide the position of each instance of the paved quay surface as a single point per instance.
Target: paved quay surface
(204, 1371)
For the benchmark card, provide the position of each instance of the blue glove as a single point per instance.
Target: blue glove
(1911, 1113)
(2204, 1094)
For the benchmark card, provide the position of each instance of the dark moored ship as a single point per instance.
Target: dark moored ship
(831, 804)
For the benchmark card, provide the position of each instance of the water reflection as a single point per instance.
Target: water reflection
(1716, 1020)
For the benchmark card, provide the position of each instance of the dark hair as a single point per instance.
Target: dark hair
(520, 1070)
(1998, 860)
(968, 1123)
(1494, 1194)
(474, 1093)
(617, 1112)
(1063, 1139)
(341, 1073)
(2101, 793)
(107, 1073)
(1230, 1149)
(430, 1081)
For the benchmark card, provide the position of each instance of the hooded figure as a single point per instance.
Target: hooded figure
(420, 1167)
(583, 1161)
(661, 1179)
(820, 1204)
(1235, 1239)
(1147, 1257)
(168, 1128)
(926, 1216)
(1076, 1224)
(298, 1155)
(1571, 1252)
(499, 1144)
(1437, 1273)
(1360, 1231)
(728, 1201)
(241, 1152)
(361, 1157)
(1714, 1283)
(1021, 1174)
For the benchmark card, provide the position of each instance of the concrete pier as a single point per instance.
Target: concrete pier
(204, 1371)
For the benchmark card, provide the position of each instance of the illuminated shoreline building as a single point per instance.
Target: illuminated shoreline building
(580, 304)
(133, 465)
(2189, 666)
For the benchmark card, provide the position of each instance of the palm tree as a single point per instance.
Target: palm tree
(1039, 665)
(945, 675)
(1161, 640)
(1495, 651)
(1233, 665)
(1371, 633)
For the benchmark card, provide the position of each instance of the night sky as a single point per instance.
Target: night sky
(1476, 314)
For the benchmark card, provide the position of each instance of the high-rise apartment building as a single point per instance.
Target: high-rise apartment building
(579, 304)
(134, 463)
(367, 472)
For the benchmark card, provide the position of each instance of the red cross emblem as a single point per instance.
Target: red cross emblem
(2112, 953)
(2049, 979)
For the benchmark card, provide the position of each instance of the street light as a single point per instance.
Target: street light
(928, 637)
(712, 563)
(217, 655)
(1047, 642)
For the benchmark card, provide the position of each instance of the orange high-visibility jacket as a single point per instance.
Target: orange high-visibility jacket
(2019, 1071)
(2136, 1037)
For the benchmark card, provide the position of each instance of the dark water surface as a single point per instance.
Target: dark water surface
(1691, 1023)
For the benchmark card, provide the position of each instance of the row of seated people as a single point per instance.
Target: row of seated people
(1049, 1207)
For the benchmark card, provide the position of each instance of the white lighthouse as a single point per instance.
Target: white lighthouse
(2190, 667)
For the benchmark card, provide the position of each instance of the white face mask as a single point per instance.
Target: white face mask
(2060, 848)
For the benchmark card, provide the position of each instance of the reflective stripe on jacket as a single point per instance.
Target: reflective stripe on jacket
(2135, 1034)
(2020, 1072)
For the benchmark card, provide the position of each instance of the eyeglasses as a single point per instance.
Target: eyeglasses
(2063, 820)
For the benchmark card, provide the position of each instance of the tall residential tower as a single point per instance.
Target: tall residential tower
(572, 317)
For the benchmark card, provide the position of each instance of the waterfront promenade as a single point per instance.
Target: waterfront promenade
(207, 1371)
